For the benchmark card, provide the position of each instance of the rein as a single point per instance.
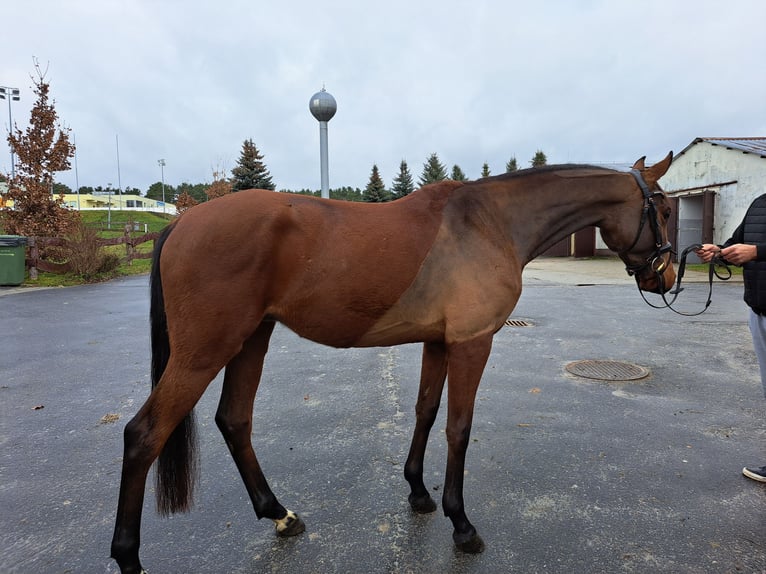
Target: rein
(656, 262)
(713, 271)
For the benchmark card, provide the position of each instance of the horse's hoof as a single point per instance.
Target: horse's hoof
(470, 543)
(290, 525)
(422, 504)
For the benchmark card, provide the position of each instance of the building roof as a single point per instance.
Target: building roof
(755, 146)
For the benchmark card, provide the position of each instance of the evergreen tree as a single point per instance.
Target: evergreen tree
(539, 160)
(403, 183)
(346, 193)
(485, 170)
(512, 165)
(457, 174)
(41, 151)
(155, 192)
(251, 172)
(433, 171)
(61, 188)
(375, 192)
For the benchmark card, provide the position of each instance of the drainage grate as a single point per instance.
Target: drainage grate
(607, 370)
(518, 323)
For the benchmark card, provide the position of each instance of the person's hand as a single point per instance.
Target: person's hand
(739, 253)
(707, 252)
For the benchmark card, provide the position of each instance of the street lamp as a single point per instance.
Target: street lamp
(161, 163)
(12, 95)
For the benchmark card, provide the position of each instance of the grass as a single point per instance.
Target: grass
(110, 226)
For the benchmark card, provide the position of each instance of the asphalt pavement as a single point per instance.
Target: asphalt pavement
(564, 474)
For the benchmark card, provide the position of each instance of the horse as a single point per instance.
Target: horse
(441, 266)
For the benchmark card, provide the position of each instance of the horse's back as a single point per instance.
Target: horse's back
(327, 269)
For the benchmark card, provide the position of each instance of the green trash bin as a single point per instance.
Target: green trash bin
(12, 253)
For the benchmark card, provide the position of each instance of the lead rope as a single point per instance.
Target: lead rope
(713, 271)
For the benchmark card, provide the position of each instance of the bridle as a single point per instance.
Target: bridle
(658, 261)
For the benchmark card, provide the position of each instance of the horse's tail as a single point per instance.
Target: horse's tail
(177, 463)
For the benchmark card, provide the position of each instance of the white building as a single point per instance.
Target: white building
(712, 181)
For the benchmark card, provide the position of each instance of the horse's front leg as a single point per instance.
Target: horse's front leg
(432, 374)
(466, 363)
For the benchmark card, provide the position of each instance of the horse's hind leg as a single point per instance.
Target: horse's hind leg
(235, 420)
(432, 374)
(145, 436)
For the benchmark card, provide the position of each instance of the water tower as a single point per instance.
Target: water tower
(323, 107)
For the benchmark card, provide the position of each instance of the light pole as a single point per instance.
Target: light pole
(161, 163)
(12, 95)
(109, 206)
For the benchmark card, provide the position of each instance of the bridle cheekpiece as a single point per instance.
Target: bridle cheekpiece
(656, 261)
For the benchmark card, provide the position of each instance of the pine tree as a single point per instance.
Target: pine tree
(375, 192)
(457, 174)
(512, 165)
(485, 170)
(539, 160)
(251, 172)
(41, 151)
(433, 171)
(403, 183)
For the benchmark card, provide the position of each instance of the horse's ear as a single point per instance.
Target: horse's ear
(654, 173)
(639, 165)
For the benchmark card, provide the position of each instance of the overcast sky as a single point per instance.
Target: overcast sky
(599, 81)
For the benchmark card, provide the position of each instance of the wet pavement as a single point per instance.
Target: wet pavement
(564, 474)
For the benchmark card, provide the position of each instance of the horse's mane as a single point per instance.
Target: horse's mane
(540, 170)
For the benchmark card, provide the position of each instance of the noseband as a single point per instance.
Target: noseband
(657, 262)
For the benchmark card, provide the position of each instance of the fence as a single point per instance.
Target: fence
(35, 263)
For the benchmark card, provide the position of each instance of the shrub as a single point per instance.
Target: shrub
(86, 257)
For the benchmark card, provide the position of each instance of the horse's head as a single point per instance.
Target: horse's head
(638, 232)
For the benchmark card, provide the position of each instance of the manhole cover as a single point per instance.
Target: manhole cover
(607, 370)
(518, 323)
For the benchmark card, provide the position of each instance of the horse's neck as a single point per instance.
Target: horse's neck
(536, 217)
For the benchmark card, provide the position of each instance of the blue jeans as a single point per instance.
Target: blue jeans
(758, 330)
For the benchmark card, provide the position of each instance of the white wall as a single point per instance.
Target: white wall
(707, 166)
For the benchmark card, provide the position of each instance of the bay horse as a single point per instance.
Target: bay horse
(442, 266)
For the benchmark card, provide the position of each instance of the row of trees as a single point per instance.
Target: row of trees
(433, 170)
(251, 172)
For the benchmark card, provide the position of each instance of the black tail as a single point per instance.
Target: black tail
(177, 464)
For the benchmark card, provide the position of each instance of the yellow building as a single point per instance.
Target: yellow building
(101, 200)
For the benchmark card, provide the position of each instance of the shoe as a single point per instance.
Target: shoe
(758, 474)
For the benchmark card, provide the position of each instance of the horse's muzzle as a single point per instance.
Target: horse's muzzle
(655, 280)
